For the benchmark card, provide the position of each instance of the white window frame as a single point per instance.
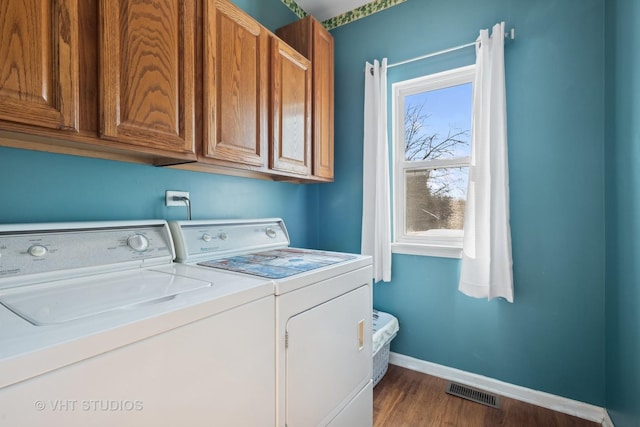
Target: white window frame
(441, 246)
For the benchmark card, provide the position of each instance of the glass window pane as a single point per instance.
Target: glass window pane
(436, 200)
(437, 123)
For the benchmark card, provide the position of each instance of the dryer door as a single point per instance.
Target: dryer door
(328, 358)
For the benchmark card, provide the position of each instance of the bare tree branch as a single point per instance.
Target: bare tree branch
(422, 145)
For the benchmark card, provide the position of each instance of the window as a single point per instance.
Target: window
(432, 152)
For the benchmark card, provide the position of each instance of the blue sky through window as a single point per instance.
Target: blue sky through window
(443, 111)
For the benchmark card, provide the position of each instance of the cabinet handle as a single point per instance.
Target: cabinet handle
(361, 335)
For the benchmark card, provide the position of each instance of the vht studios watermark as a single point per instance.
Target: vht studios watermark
(95, 405)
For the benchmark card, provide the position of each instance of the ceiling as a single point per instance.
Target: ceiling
(334, 13)
(325, 9)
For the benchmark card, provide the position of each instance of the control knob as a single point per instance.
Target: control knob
(37, 250)
(271, 232)
(138, 242)
(206, 237)
(223, 236)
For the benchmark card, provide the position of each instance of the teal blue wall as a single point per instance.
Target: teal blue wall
(552, 338)
(40, 186)
(270, 13)
(623, 212)
(50, 187)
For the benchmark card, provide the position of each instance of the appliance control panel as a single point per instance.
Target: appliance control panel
(44, 248)
(202, 240)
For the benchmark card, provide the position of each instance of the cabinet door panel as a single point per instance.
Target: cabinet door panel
(312, 40)
(147, 73)
(323, 103)
(291, 110)
(236, 84)
(39, 67)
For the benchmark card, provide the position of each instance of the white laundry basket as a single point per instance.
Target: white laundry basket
(385, 328)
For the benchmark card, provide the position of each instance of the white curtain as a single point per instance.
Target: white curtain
(486, 269)
(376, 227)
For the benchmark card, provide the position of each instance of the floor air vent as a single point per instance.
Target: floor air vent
(473, 394)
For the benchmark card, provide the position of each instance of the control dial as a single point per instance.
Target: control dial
(271, 232)
(223, 236)
(138, 242)
(206, 237)
(37, 250)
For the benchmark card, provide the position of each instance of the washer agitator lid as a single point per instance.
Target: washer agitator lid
(78, 298)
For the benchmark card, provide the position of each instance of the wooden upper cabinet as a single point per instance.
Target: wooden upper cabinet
(311, 39)
(323, 87)
(147, 73)
(291, 110)
(235, 87)
(39, 63)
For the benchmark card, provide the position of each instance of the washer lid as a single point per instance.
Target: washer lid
(67, 300)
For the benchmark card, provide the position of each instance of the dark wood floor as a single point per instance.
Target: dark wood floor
(412, 399)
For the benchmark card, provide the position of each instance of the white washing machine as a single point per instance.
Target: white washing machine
(98, 327)
(323, 315)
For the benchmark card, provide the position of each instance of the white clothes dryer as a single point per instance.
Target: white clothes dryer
(323, 306)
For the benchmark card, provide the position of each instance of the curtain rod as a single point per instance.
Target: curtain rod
(510, 35)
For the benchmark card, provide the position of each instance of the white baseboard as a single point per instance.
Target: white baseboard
(607, 422)
(539, 398)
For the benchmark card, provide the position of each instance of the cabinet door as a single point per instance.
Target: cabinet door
(322, 102)
(311, 39)
(236, 84)
(147, 73)
(39, 66)
(291, 110)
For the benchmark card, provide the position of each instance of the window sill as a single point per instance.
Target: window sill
(442, 251)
